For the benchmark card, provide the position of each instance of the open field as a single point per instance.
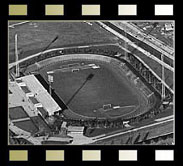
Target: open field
(17, 113)
(26, 125)
(33, 37)
(106, 87)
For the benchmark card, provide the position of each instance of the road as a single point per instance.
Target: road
(20, 23)
(150, 40)
(155, 124)
(57, 49)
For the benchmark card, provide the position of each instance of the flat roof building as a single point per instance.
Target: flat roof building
(75, 129)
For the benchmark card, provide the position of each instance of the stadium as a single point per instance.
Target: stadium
(91, 87)
(104, 89)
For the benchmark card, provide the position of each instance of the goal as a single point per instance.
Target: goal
(107, 106)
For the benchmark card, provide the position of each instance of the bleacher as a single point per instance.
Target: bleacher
(148, 101)
(40, 95)
(42, 111)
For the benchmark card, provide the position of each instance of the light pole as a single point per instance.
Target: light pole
(50, 80)
(163, 78)
(16, 56)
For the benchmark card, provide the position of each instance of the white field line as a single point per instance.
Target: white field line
(133, 130)
(165, 118)
(128, 106)
(71, 69)
(137, 47)
(150, 94)
(116, 107)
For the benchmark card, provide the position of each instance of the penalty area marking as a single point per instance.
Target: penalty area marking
(102, 110)
(76, 67)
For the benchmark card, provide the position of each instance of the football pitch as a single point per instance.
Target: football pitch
(107, 87)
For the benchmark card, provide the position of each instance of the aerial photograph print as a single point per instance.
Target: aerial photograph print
(91, 82)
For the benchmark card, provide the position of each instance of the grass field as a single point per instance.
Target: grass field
(34, 36)
(17, 113)
(106, 87)
(26, 125)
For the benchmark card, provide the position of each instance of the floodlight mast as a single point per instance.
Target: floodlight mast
(163, 77)
(50, 80)
(50, 88)
(16, 56)
(126, 45)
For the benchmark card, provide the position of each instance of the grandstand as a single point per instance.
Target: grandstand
(39, 96)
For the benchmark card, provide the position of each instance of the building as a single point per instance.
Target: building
(75, 129)
(168, 27)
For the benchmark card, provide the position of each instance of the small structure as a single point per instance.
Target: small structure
(64, 125)
(168, 27)
(75, 129)
(63, 129)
